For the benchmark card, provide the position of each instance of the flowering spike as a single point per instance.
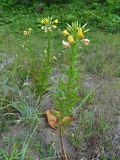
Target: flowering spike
(48, 24)
(75, 33)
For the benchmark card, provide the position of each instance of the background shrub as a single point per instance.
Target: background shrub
(102, 14)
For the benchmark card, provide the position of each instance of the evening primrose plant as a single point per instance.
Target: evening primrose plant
(68, 87)
(48, 26)
(22, 67)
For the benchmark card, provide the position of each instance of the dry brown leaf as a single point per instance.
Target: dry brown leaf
(52, 120)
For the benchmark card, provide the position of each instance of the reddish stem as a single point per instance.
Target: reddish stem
(62, 145)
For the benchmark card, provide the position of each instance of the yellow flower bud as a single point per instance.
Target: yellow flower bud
(54, 26)
(48, 24)
(49, 29)
(55, 21)
(65, 33)
(80, 33)
(30, 29)
(70, 39)
(54, 58)
(46, 20)
(25, 33)
(42, 21)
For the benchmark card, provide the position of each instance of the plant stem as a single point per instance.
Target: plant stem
(72, 64)
(62, 144)
(48, 48)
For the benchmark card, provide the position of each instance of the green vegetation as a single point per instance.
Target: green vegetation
(46, 66)
(104, 15)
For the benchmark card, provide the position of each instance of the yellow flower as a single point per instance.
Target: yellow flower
(80, 33)
(55, 21)
(46, 20)
(65, 33)
(70, 39)
(48, 24)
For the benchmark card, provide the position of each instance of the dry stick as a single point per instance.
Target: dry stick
(62, 144)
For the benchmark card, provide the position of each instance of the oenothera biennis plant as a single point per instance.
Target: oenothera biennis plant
(26, 53)
(48, 26)
(68, 86)
(27, 34)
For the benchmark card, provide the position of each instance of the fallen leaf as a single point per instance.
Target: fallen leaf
(53, 116)
(52, 120)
